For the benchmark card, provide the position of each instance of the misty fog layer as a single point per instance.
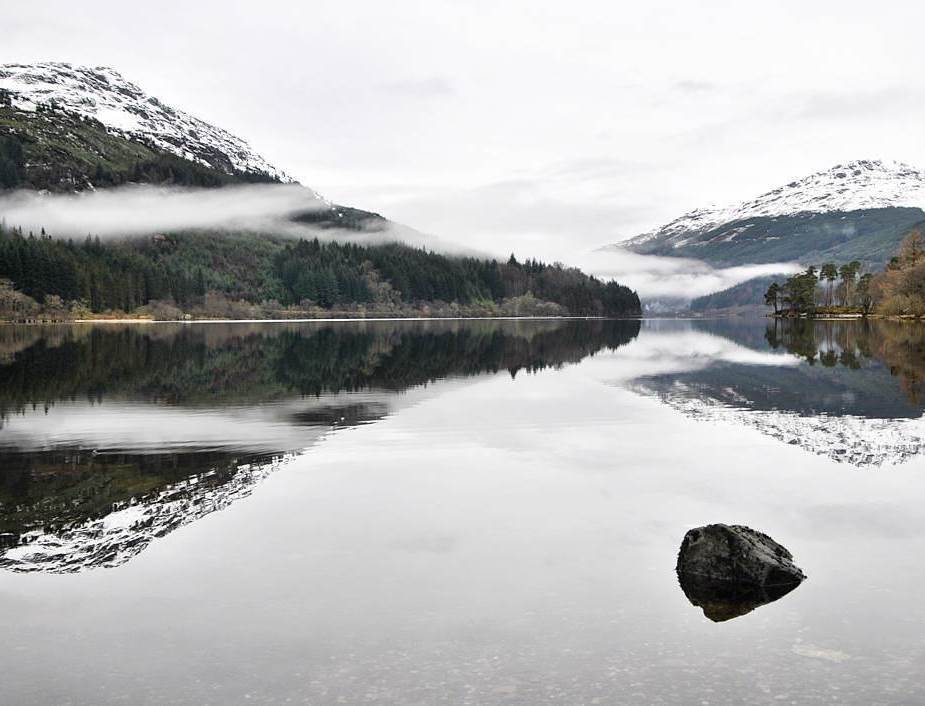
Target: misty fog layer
(143, 210)
(673, 277)
(140, 210)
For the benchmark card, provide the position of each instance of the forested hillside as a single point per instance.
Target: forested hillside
(225, 274)
(741, 297)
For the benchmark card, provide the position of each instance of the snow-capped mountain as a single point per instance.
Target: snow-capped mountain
(866, 202)
(123, 108)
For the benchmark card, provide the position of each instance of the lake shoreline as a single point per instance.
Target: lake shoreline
(787, 316)
(138, 320)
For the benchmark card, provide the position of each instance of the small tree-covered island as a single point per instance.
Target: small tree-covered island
(846, 290)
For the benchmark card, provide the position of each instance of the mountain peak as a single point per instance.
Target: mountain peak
(103, 94)
(856, 185)
(868, 169)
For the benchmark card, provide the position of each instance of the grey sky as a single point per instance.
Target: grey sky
(547, 128)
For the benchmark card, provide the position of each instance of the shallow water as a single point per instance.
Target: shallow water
(460, 512)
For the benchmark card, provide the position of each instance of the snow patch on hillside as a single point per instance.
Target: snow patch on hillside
(122, 107)
(854, 186)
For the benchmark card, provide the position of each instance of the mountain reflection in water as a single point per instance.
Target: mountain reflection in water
(850, 390)
(115, 435)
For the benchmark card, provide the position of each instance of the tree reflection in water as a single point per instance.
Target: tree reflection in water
(898, 345)
(58, 496)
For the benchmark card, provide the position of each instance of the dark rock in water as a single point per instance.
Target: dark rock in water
(737, 554)
(729, 570)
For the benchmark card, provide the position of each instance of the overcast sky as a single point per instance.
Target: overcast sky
(542, 127)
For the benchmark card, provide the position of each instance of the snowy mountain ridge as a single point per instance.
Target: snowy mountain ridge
(123, 108)
(853, 186)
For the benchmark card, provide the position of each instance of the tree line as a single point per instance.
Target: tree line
(333, 273)
(899, 290)
(822, 289)
(190, 270)
(92, 275)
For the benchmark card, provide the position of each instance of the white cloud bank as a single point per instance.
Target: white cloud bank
(139, 210)
(143, 210)
(673, 277)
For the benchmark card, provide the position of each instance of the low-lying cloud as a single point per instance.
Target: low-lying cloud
(139, 210)
(143, 210)
(674, 277)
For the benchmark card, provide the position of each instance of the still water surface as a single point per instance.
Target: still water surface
(457, 512)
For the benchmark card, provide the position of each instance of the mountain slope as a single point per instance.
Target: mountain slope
(859, 210)
(123, 108)
(66, 129)
(743, 298)
(69, 129)
(57, 151)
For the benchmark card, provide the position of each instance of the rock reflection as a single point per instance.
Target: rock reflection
(721, 601)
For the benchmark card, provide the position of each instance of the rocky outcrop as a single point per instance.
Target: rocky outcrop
(729, 570)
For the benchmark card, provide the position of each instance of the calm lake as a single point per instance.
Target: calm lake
(484, 512)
